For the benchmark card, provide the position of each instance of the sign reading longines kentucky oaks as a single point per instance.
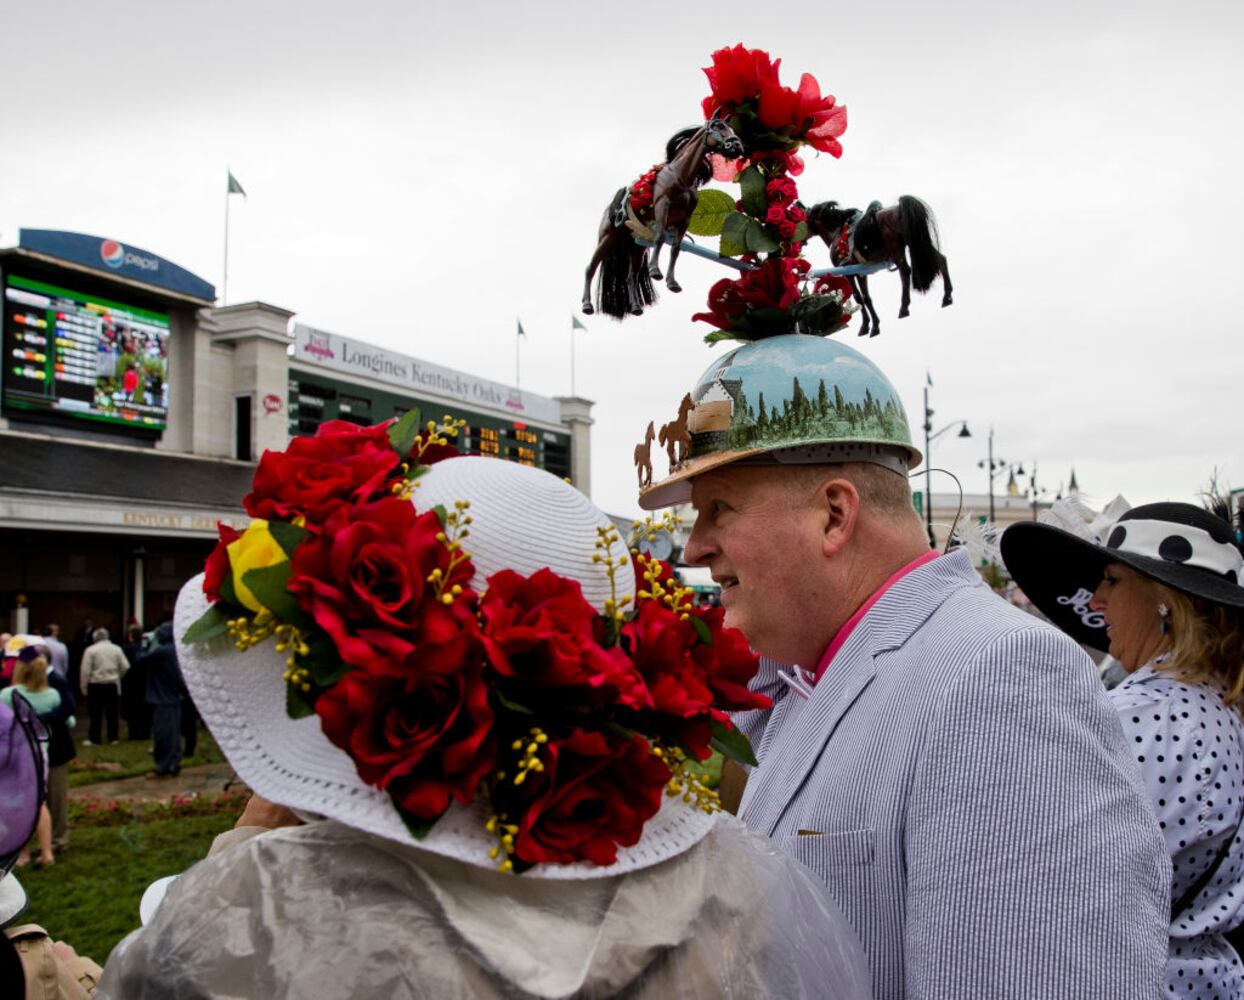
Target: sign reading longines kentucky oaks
(331, 350)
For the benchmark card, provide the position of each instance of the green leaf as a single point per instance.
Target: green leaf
(701, 629)
(801, 232)
(288, 536)
(323, 661)
(296, 704)
(512, 706)
(213, 623)
(753, 184)
(733, 235)
(228, 593)
(710, 213)
(730, 742)
(418, 827)
(403, 433)
(442, 514)
(270, 585)
(717, 336)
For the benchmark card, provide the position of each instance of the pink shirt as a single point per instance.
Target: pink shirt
(844, 633)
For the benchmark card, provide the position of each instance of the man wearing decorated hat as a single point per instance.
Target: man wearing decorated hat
(947, 764)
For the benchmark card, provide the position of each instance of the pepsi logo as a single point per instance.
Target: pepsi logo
(112, 253)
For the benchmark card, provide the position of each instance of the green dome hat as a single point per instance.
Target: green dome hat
(792, 399)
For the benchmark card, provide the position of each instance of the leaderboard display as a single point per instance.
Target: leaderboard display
(71, 353)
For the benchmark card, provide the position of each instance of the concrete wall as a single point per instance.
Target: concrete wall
(576, 414)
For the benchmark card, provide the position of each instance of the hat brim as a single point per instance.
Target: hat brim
(1053, 566)
(241, 696)
(676, 487)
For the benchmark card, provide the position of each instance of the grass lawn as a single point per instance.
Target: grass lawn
(129, 758)
(90, 896)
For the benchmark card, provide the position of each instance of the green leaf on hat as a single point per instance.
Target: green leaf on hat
(270, 585)
(732, 743)
(215, 621)
(710, 213)
(754, 201)
(296, 704)
(323, 661)
(442, 514)
(801, 232)
(701, 629)
(512, 706)
(403, 433)
(418, 827)
(288, 536)
(228, 593)
(743, 234)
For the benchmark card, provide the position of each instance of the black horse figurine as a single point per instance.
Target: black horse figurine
(626, 277)
(884, 235)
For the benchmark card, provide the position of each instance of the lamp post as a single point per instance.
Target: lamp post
(929, 437)
(1035, 491)
(995, 469)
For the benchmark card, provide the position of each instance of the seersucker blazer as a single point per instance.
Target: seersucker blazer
(960, 782)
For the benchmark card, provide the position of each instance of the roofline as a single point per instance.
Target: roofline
(43, 258)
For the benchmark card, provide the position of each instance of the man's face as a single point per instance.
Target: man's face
(760, 538)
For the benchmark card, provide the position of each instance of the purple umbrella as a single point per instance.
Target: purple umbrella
(21, 776)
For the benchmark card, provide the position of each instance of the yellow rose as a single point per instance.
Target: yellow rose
(255, 548)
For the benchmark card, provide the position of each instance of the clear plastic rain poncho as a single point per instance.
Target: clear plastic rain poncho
(326, 911)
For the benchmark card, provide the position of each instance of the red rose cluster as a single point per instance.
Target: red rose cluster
(571, 724)
(744, 84)
(759, 301)
(641, 191)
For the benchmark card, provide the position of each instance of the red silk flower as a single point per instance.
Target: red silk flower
(737, 75)
(343, 464)
(217, 569)
(541, 632)
(595, 794)
(423, 732)
(773, 285)
(364, 579)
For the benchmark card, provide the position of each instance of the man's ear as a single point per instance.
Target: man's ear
(840, 506)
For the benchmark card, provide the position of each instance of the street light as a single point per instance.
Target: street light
(995, 469)
(929, 437)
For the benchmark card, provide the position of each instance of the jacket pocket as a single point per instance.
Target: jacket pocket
(821, 851)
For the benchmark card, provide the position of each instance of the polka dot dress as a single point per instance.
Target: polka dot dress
(1190, 748)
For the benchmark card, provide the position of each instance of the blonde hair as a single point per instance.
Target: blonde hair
(32, 674)
(1207, 644)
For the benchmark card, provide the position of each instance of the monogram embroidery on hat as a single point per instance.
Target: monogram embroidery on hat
(1079, 602)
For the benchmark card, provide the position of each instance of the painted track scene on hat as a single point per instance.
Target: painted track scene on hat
(796, 389)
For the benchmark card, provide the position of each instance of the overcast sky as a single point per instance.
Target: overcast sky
(419, 177)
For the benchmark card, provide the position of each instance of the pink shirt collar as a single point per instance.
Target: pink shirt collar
(844, 633)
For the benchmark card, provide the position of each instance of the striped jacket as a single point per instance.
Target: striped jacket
(961, 783)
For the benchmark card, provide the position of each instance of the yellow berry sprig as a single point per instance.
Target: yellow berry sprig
(686, 782)
(606, 539)
(504, 851)
(457, 528)
(437, 434)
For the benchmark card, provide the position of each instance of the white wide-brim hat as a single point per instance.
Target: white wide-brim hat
(524, 519)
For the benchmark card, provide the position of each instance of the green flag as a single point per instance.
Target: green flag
(521, 331)
(575, 324)
(234, 186)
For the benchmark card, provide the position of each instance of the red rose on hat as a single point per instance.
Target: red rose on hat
(342, 464)
(364, 579)
(422, 732)
(217, 569)
(594, 794)
(540, 632)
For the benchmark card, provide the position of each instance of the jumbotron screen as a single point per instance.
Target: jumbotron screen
(72, 353)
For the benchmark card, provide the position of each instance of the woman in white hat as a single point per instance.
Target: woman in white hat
(481, 738)
(1159, 589)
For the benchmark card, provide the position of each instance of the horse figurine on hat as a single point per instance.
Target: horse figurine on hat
(883, 235)
(660, 202)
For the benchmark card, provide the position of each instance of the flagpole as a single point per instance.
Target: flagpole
(224, 285)
(518, 343)
(572, 329)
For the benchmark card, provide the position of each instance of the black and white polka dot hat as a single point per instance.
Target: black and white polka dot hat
(1179, 545)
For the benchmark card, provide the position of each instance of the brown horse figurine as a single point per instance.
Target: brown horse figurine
(643, 457)
(884, 235)
(625, 286)
(675, 433)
